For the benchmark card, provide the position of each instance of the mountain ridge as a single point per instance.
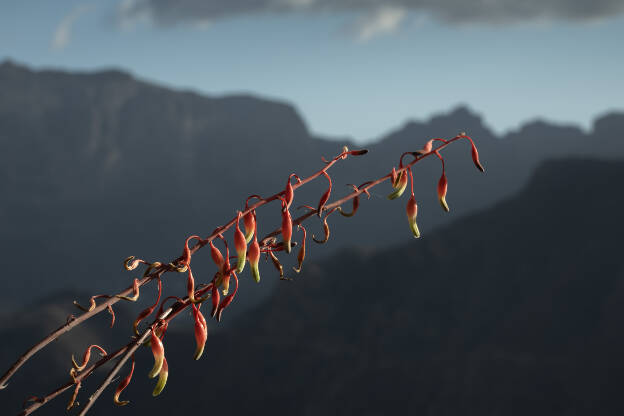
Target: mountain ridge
(94, 168)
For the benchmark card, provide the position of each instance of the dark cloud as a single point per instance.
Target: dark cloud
(453, 11)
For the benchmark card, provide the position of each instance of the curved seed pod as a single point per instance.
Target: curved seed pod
(162, 378)
(240, 244)
(190, 286)
(215, 298)
(325, 196)
(249, 221)
(288, 191)
(225, 271)
(412, 212)
(475, 157)
(86, 357)
(158, 350)
(201, 332)
(228, 299)
(442, 187)
(286, 225)
(302, 251)
(135, 292)
(186, 252)
(110, 310)
(122, 385)
(399, 186)
(356, 200)
(217, 257)
(326, 230)
(277, 264)
(356, 205)
(148, 311)
(254, 258)
(131, 263)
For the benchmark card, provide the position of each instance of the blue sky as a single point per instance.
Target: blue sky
(356, 71)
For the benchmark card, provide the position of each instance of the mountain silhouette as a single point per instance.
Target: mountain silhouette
(98, 166)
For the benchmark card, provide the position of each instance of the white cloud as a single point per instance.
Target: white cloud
(62, 34)
(382, 21)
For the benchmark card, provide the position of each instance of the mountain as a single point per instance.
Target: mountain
(516, 309)
(98, 166)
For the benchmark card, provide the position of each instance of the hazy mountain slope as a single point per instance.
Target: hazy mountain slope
(514, 310)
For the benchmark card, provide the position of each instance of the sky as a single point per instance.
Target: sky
(356, 68)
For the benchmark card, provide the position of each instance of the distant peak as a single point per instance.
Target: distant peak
(609, 123)
(460, 113)
(10, 65)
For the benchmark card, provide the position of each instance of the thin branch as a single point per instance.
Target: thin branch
(84, 374)
(179, 263)
(133, 346)
(68, 327)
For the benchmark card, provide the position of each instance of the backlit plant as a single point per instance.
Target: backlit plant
(219, 293)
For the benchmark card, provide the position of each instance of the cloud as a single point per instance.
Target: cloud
(382, 21)
(167, 12)
(62, 34)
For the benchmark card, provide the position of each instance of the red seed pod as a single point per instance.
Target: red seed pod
(442, 187)
(289, 193)
(217, 257)
(412, 212)
(286, 226)
(110, 310)
(302, 250)
(394, 176)
(215, 298)
(201, 332)
(249, 221)
(358, 152)
(254, 258)
(475, 157)
(186, 252)
(148, 311)
(158, 350)
(190, 286)
(240, 244)
(163, 374)
(228, 299)
(324, 197)
(122, 385)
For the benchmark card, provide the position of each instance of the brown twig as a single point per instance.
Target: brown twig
(183, 262)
